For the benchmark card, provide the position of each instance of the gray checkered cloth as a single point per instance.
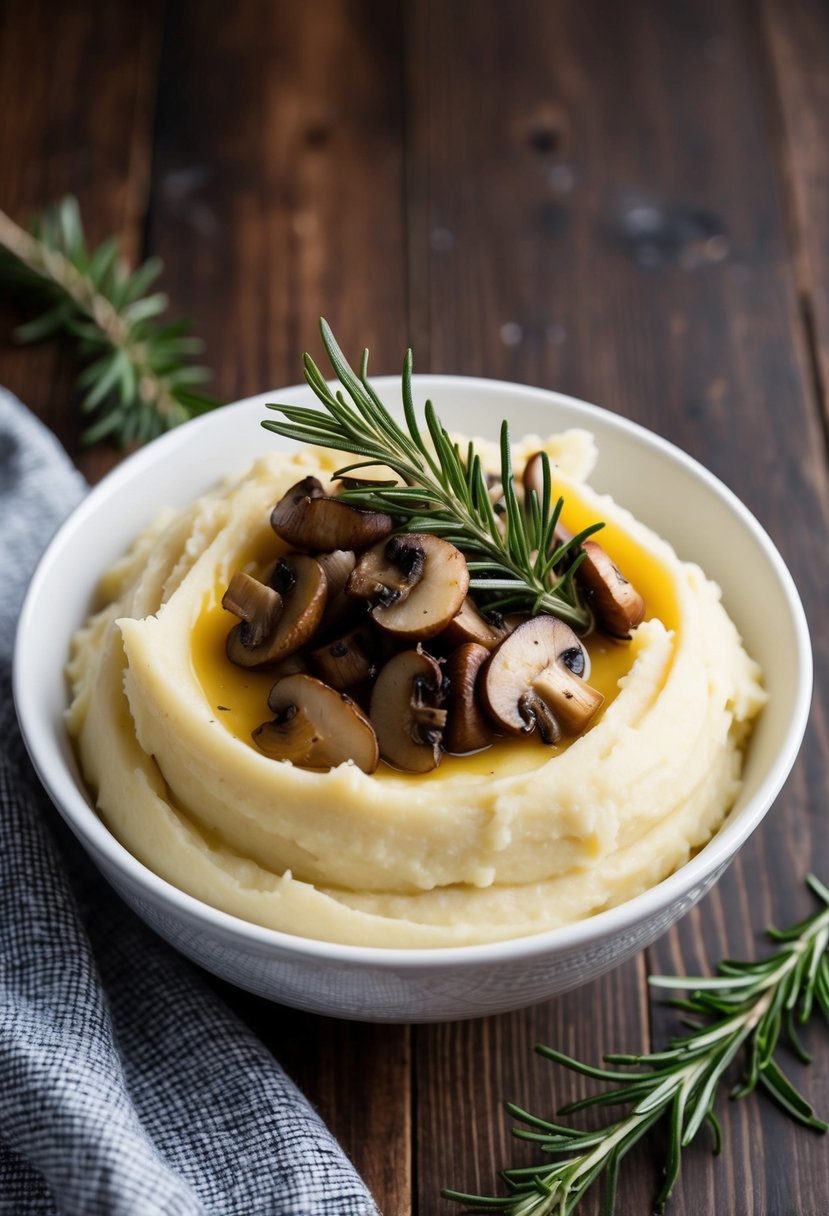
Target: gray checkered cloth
(126, 1087)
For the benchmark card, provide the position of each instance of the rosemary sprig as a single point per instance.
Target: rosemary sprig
(744, 1008)
(515, 563)
(139, 381)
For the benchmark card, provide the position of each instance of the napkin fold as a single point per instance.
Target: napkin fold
(126, 1087)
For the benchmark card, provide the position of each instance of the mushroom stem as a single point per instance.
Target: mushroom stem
(572, 701)
(257, 606)
(533, 680)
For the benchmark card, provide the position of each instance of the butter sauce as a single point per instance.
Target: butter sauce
(238, 697)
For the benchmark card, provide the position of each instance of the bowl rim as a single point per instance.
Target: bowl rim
(564, 939)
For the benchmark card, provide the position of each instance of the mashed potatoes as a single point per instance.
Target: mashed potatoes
(512, 841)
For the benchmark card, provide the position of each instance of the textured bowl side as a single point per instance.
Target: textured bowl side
(406, 990)
(659, 483)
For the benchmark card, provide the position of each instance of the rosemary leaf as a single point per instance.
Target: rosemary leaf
(140, 382)
(752, 1005)
(521, 558)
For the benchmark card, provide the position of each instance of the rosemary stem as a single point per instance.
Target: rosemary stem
(52, 265)
(708, 1053)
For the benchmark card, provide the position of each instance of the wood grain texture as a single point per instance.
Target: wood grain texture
(584, 218)
(627, 202)
(797, 43)
(466, 1071)
(278, 183)
(78, 83)
(277, 196)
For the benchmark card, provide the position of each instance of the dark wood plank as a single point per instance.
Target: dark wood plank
(796, 38)
(466, 1071)
(77, 87)
(277, 196)
(585, 217)
(278, 184)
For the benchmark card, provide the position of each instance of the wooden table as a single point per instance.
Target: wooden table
(627, 201)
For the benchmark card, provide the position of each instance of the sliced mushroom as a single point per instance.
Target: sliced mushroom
(472, 626)
(337, 566)
(258, 605)
(291, 665)
(347, 661)
(617, 604)
(417, 583)
(387, 573)
(533, 476)
(300, 583)
(316, 727)
(339, 606)
(536, 679)
(309, 519)
(407, 711)
(467, 729)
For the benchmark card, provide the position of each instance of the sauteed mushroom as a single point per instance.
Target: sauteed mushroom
(469, 625)
(309, 519)
(467, 728)
(300, 584)
(316, 727)
(407, 711)
(417, 583)
(535, 680)
(617, 604)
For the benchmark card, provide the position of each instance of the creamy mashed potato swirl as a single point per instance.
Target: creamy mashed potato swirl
(511, 842)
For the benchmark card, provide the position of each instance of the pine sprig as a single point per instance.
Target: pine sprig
(515, 563)
(139, 380)
(744, 1009)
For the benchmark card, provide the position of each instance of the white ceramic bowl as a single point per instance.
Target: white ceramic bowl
(660, 484)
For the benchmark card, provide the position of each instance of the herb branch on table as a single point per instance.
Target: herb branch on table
(140, 380)
(513, 559)
(744, 1008)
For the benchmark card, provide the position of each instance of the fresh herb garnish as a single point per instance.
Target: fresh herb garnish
(140, 381)
(515, 560)
(744, 1008)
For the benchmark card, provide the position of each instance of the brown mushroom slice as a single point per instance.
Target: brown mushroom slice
(316, 727)
(467, 729)
(470, 625)
(412, 608)
(389, 571)
(347, 660)
(310, 519)
(339, 606)
(256, 604)
(532, 477)
(337, 565)
(300, 581)
(291, 665)
(535, 680)
(613, 598)
(407, 711)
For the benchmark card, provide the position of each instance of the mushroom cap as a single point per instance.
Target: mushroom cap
(313, 520)
(387, 572)
(338, 606)
(426, 604)
(617, 604)
(316, 727)
(337, 564)
(347, 660)
(301, 581)
(467, 728)
(406, 709)
(534, 680)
